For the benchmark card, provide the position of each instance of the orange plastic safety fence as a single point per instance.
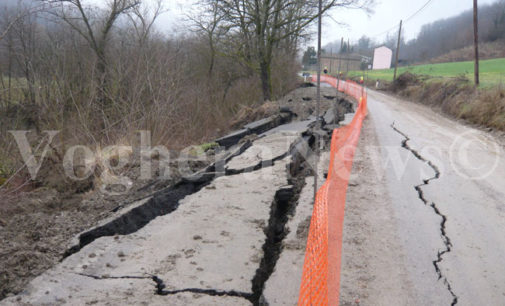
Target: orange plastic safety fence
(321, 270)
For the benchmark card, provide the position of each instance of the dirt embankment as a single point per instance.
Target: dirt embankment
(456, 97)
(37, 224)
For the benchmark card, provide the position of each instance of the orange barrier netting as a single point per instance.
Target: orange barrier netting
(321, 270)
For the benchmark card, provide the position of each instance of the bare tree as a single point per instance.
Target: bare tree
(95, 30)
(143, 17)
(258, 27)
(22, 12)
(81, 21)
(208, 23)
(184, 88)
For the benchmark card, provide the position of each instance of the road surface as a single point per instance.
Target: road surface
(425, 214)
(424, 225)
(238, 240)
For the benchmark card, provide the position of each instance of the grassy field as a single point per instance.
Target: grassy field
(492, 72)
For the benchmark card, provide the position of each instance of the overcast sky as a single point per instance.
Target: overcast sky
(386, 16)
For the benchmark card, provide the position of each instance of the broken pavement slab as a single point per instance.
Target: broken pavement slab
(256, 127)
(263, 125)
(83, 290)
(296, 126)
(283, 286)
(212, 245)
(133, 216)
(263, 152)
(213, 241)
(232, 138)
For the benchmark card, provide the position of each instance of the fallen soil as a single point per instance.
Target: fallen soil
(36, 227)
(301, 101)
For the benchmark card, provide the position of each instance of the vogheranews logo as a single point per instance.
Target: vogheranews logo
(81, 162)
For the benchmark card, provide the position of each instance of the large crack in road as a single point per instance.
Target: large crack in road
(161, 203)
(283, 205)
(149, 269)
(160, 287)
(433, 205)
(97, 266)
(167, 201)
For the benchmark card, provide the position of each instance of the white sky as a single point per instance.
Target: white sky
(386, 16)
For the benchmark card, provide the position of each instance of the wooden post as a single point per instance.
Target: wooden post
(398, 49)
(338, 72)
(331, 61)
(476, 41)
(318, 123)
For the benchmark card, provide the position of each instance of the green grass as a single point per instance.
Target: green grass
(207, 146)
(492, 72)
(201, 149)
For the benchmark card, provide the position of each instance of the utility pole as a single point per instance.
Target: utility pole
(318, 123)
(331, 60)
(348, 53)
(476, 40)
(338, 72)
(398, 49)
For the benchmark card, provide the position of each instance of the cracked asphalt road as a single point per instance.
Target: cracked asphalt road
(425, 217)
(218, 246)
(425, 212)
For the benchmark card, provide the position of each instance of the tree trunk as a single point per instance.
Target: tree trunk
(9, 93)
(266, 79)
(212, 57)
(102, 77)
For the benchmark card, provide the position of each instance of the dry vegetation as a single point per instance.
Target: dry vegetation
(456, 97)
(487, 50)
(101, 75)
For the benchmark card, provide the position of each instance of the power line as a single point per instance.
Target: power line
(387, 31)
(406, 19)
(418, 11)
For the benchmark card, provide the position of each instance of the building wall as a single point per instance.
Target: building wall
(347, 64)
(382, 58)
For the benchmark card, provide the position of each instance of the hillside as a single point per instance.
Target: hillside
(489, 50)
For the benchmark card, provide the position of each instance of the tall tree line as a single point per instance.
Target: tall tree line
(259, 29)
(100, 74)
(454, 33)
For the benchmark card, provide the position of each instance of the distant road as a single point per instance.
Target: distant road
(425, 223)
